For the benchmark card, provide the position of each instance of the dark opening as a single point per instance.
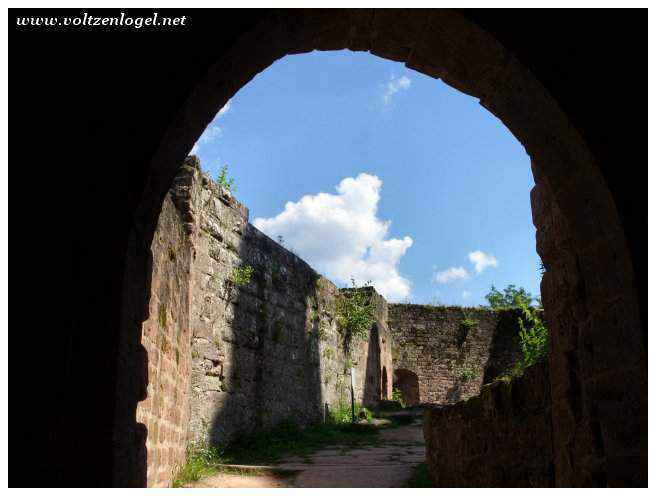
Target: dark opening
(407, 382)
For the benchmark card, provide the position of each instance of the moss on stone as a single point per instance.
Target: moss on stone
(162, 315)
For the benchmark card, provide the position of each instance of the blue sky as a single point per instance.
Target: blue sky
(367, 168)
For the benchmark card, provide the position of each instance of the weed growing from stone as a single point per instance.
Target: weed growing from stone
(469, 323)
(224, 181)
(466, 374)
(201, 462)
(241, 275)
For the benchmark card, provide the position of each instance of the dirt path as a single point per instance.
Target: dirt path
(243, 481)
(388, 462)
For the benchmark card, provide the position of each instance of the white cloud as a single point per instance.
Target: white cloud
(341, 236)
(394, 86)
(482, 260)
(212, 132)
(466, 294)
(451, 274)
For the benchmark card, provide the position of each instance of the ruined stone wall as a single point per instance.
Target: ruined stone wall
(452, 350)
(501, 438)
(270, 349)
(164, 411)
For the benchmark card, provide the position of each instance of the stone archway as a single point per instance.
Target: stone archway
(598, 355)
(407, 382)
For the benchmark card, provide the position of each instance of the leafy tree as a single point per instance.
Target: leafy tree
(510, 297)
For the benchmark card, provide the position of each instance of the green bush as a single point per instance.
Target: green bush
(397, 395)
(533, 337)
(533, 341)
(342, 413)
(356, 311)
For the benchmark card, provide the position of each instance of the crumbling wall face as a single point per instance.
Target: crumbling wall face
(164, 409)
(268, 349)
(452, 350)
(501, 438)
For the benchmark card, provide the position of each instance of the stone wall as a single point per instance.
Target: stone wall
(164, 411)
(270, 349)
(501, 438)
(451, 350)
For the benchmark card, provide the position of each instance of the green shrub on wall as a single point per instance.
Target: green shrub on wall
(356, 311)
(533, 337)
(241, 275)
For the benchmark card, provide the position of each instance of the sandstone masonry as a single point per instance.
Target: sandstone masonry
(501, 438)
(270, 350)
(450, 352)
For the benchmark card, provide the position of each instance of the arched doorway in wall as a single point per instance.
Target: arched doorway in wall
(579, 237)
(383, 393)
(407, 382)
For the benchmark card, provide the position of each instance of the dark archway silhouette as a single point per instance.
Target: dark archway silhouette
(383, 389)
(588, 288)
